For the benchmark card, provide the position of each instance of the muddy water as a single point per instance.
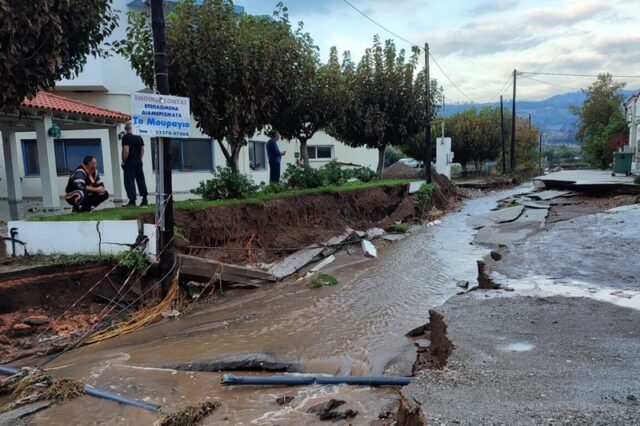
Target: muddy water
(354, 328)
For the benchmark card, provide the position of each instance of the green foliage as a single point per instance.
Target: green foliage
(235, 69)
(422, 198)
(301, 176)
(559, 155)
(363, 174)
(273, 188)
(333, 174)
(135, 259)
(598, 118)
(43, 41)
(323, 280)
(391, 155)
(384, 100)
(226, 185)
(399, 228)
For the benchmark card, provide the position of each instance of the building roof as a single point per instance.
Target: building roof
(632, 99)
(44, 101)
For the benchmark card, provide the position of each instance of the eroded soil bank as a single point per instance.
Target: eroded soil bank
(250, 233)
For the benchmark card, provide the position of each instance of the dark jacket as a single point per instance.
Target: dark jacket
(80, 179)
(273, 152)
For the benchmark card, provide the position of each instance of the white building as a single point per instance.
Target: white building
(108, 84)
(632, 113)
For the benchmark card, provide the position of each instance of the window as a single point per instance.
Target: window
(69, 154)
(188, 154)
(319, 152)
(257, 155)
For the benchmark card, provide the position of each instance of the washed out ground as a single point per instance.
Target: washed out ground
(558, 341)
(356, 327)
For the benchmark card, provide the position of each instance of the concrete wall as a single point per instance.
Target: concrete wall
(90, 237)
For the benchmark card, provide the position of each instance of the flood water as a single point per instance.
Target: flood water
(355, 328)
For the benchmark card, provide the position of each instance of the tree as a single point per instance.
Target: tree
(312, 97)
(463, 130)
(234, 68)
(602, 101)
(42, 41)
(383, 100)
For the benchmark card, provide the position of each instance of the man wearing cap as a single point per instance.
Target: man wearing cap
(132, 153)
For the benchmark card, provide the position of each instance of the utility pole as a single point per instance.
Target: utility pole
(427, 131)
(442, 89)
(529, 121)
(504, 148)
(161, 75)
(540, 153)
(513, 124)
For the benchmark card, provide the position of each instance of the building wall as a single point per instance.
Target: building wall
(109, 82)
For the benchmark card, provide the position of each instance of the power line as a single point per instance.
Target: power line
(549, 83)
(410, 43)
(506, 86)
(575, 75)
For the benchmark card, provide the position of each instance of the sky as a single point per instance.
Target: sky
(478, 43)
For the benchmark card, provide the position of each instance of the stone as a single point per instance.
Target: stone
(4, 340)
(36, 320)
(369, 249)
(325, 407)
(284, 400)
(22, 329)
(496, 256)
(338, 415)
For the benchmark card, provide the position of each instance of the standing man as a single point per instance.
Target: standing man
(85, 189)
(132, 153)
(275, 156)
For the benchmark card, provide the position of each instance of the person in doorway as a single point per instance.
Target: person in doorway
(275, 156)
(84, 189)
(132, 153)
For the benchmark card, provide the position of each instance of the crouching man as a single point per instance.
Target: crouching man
(84, 188)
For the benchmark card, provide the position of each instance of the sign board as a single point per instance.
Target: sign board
(160, 115)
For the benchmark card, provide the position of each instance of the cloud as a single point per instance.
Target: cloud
(493, 7)
(569, 15)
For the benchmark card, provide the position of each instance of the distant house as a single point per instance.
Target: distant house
(632, 113)
(36, 165)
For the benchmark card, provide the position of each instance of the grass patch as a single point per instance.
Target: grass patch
(398, 228)
(130, 213)
(323, 280)
(133, 259)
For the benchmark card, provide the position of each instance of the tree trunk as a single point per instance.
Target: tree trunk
(304, 154)
(380, 161)
(234, 158)
(465, 172)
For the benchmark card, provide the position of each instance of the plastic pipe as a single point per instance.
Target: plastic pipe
(99, 393)
(230, 379)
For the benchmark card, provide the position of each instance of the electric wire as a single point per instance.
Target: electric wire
(575, 75)
(549, 83)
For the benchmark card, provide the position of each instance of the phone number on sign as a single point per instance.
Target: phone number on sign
(171, 133)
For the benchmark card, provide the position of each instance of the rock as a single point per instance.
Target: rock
(36, 320)
(338, 415)
(463, 284)
(4, 340)
(419, 331)
(374, 233)
(496, 256)
(509, 289)
(325, 407)
(237, 362)
(369, 249)
(284, 400)
(22, 329)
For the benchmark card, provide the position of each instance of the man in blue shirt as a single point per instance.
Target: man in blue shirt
(275, 157)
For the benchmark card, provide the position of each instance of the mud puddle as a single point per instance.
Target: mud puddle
(354, 328)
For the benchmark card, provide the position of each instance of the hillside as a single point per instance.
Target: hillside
(551, 115)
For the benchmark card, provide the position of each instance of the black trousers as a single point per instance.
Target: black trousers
(133, 174)
(274, 172)
(89, 200)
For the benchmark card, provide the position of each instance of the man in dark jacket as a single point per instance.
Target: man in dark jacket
(275, 157)
(85, 189)
(132, 153)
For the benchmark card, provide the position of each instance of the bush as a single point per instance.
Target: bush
(398, 228)
(364, 174)
(273, 188)
(300, 176)
(226, 185)
(324, 280)
(423, 196)
(332, 174)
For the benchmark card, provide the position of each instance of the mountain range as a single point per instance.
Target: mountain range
(551, 115)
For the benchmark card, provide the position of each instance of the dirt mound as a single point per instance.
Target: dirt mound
(402, 171)
(271, 230)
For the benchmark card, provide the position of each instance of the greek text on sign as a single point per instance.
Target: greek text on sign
(160, 115)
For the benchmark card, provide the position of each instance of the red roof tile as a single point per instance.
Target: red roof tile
(49, 102)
